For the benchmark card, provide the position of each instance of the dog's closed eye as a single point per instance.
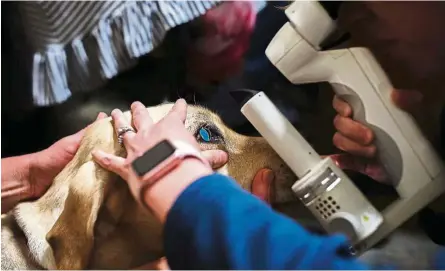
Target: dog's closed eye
(209, 134)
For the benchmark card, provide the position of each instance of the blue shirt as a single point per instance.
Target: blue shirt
(214, 224)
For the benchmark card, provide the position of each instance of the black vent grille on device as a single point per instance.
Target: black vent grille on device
(327, 207)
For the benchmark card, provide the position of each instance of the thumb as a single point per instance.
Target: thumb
(406, 99)
(160, 264)
(262, 183)
(110, 162)
(216, 158)
(361, 165)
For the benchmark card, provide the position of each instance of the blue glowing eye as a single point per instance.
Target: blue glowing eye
(205, 135)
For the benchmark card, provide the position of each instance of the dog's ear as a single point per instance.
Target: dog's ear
(72, 236)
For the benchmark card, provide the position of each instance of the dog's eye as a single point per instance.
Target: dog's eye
(204, 134)
(207, 134)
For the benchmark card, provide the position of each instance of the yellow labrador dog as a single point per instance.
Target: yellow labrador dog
(89, 220)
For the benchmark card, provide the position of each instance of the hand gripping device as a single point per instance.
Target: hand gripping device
(414, 167)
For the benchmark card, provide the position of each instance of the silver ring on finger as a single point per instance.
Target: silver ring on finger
(121, 132)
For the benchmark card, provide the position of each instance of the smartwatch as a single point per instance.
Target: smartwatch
(159, 161)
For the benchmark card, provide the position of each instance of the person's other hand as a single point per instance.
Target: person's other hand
(410, 53)
(262, 185)
(160, 264)
(356, 139)
(47, 163)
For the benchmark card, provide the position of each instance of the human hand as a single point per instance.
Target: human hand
(356, 139)
(46, 164)
(161, 195)
(262, 185)
(411, 54)
(148, 134)
(160, 264)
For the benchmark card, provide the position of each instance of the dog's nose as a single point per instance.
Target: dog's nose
(241, 96)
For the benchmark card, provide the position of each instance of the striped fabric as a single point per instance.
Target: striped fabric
(79, 45)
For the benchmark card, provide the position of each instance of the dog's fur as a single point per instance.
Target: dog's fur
(88, 218)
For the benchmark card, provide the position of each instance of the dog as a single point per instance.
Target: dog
(88, 219)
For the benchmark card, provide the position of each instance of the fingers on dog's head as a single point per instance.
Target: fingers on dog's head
(179, 110)
(120, 122)
(101, 115)
(118, 119)
(141, 117)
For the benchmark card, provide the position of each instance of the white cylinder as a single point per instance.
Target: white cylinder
(280, 134)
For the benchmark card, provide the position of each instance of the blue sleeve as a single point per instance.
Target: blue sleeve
(214, 224)
(440, 260)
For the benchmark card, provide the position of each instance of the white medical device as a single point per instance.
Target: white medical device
(416, 170)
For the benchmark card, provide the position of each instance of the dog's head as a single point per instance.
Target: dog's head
(88, 217)
(247, 154)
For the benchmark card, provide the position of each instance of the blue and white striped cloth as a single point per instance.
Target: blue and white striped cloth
(79, 45)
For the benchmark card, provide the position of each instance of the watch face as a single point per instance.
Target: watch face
(153, 157)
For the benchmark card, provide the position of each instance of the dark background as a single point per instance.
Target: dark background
(154, 80)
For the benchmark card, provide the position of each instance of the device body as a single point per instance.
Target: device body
(413, 165)
(321, 185)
